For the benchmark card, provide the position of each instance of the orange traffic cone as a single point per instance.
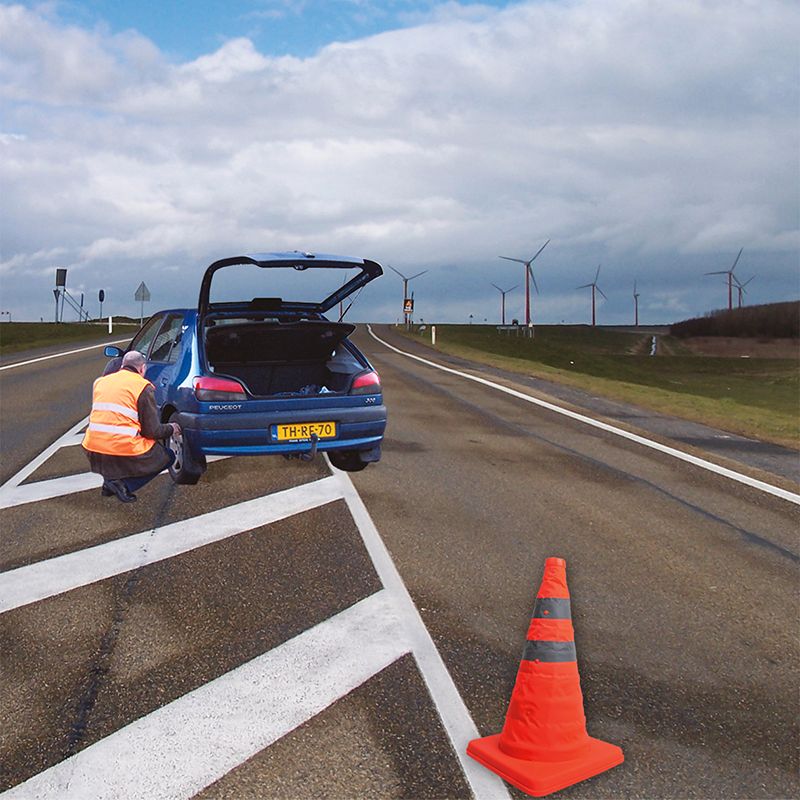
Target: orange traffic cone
(544, 746)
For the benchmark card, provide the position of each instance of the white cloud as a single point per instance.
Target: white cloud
(641, 135)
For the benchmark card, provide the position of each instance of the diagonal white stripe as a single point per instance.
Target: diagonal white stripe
(37, 462)
(46, 490)
(181, 748)
(19, 587)
(452, 710)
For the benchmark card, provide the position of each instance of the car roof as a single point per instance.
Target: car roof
(300, 260)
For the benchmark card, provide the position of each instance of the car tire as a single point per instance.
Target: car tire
(186, 469)
(347, 460)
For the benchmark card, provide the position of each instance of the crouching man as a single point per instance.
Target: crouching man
(121, 441)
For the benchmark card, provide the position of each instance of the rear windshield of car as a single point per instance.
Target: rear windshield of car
(243, 282)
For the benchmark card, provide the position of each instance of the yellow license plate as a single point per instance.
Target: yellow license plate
(303, 431)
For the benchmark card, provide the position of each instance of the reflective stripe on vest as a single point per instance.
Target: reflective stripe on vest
(114, 427)
(120, 409)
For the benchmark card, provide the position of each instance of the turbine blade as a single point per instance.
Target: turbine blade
(497, 287)
(718, 272)
(585, 286)
(518, 260)
(600, 290)
(736, 261)
(533, 278)
(597, 274)
(540, 250)
(397, 271)
(418, 274)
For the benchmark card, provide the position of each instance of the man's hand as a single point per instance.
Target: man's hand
(176, 429)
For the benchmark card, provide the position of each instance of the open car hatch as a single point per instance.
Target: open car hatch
(368, 270)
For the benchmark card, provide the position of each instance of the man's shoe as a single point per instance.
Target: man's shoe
(120, 490)
(105, 491)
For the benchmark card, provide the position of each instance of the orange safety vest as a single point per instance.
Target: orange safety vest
(114, 427)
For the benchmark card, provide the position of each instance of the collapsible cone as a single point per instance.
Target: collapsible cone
(544, 746)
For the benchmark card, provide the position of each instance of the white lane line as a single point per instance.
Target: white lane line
(452, 710)
(66, 353)
(182, 747)
(24, 585)
(768, 488)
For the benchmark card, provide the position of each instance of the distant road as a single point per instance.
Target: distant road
(43, 399)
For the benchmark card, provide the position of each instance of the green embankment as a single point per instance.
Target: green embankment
(757, 397)
(18, 336)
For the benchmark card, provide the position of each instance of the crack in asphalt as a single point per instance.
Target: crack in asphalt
(101, 664)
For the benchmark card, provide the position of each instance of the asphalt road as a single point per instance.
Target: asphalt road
(684, 587)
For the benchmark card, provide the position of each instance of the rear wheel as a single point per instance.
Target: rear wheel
(347, 460)
(186, 469)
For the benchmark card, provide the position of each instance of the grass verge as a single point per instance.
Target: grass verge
(755, 397)
(18, 336)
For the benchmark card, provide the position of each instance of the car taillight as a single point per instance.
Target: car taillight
(207, 388)
(366, 383)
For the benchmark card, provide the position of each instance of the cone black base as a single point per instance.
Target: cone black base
(540, 778)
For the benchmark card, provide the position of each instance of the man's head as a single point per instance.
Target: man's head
(135, 360)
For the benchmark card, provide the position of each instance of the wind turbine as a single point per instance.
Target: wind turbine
(740, 287)
(635, 305)
(528, 279)
(406, 281)
(503, 294)
(594, 288)
(731, 277)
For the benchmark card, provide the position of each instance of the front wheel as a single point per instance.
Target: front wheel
(347, 460)
(185, 469)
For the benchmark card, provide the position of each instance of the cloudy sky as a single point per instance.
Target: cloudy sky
(142, 140)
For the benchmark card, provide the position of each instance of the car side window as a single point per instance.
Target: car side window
(144, 338)
(164, 348)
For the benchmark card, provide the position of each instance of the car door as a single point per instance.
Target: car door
(163, 355)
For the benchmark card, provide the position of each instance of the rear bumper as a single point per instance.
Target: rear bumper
(251, 434)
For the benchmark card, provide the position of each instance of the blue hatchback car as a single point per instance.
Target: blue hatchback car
(265, 375)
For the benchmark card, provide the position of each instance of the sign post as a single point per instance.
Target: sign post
(143, 296)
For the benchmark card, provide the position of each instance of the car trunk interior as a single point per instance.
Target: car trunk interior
(274, 357)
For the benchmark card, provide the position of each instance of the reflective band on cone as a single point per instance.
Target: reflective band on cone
(544, 746)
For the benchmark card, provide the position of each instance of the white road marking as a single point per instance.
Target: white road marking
(46, 490)
(66, 353)
(452, 710)
(768, 488)
(28, 584)
(182, 747)
(28, 470)
(227, 721)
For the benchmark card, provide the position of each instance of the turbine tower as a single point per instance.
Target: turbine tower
(594, 288)
(406, 281)
(740, 287)
(635, 305)
(731, 278)
(503, 293)
(528, 279)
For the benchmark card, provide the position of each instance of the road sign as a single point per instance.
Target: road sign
(142, 294)
(408, 305)
(102, 295)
